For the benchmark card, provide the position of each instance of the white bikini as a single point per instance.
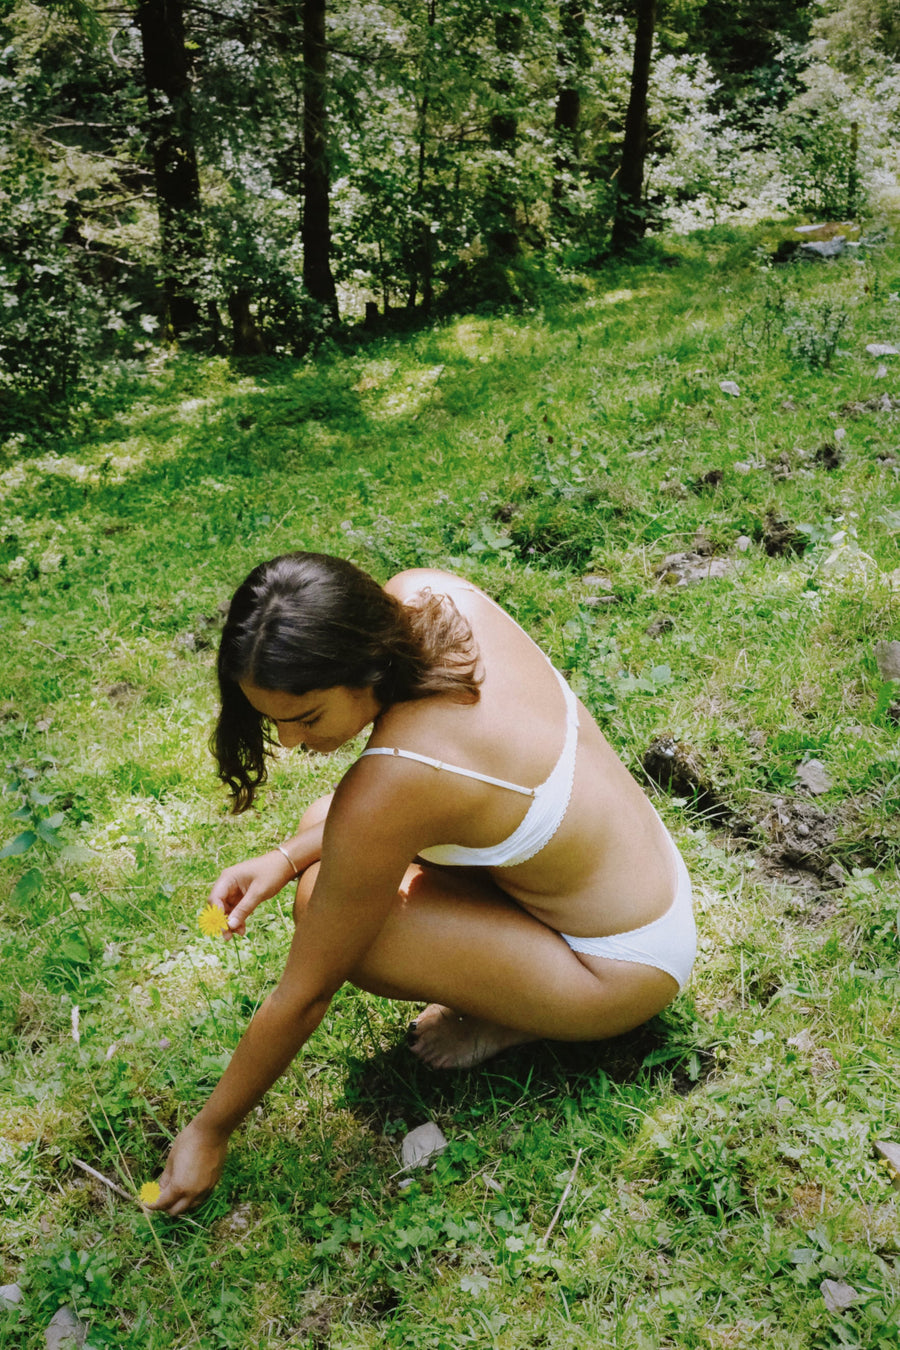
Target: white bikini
(669, 943)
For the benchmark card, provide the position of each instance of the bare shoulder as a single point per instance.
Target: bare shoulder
(390, 799)
(415, 579)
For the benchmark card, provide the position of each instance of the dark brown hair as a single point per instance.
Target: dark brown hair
(307, 621)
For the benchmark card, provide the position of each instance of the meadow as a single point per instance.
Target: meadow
(681, 476)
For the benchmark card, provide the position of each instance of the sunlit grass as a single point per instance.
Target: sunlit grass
(530, 452)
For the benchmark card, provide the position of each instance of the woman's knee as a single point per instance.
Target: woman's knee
(305, 889)
(316, 812)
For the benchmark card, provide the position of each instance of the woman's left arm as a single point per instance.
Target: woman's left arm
(367, 846)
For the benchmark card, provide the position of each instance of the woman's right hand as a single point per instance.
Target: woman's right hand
(239, 889)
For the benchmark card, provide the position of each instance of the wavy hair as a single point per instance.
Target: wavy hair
(307, 621)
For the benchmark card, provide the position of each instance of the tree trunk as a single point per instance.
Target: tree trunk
(423, 260)
(316, 232)
(503, 236)
(177, 181)
(571, 58)
(630, 221)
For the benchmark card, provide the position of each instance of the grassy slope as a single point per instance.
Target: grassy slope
(725, 1162)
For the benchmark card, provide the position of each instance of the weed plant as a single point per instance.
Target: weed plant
(696, 1184)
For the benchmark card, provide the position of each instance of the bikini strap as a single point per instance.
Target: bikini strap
(449, 768)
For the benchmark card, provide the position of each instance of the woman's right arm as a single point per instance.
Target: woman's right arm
(239, 889)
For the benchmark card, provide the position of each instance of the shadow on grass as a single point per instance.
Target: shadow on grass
(393, 1084)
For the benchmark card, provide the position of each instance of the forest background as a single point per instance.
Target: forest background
(662, 436)
(240, 176)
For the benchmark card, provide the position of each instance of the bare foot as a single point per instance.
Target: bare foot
(447, 1040)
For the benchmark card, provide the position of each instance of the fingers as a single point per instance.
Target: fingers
(226, 890)
(237, 919)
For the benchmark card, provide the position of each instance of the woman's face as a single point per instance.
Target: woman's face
(321, 720)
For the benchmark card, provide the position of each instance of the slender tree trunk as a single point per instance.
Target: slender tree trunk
(423, 266)
(571, 58)
(316, 232)
(630, 222)
(503, 236)
(176, 178)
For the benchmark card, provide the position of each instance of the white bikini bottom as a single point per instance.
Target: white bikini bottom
(669, 943)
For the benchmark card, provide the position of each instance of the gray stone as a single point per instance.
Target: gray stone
(422, 1144)
(65, 1330)
(9, 1295)
(887, 659)
(838, 1295)
(825, 248)
(814, 777)
(729, 387)
(882, 349)
(686, 569)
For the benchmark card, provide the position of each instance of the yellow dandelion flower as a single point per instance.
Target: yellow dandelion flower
(212, 920)
(150, 1193)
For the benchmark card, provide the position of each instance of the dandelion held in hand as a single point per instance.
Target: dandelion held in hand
(149, 1193)
(211, 920)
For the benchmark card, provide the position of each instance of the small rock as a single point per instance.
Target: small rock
(743, 542)
(65, 1330)
(881, 372)
(838, 1295)
(422, 1144)
(685, 569)
(886, 1150)
(825, 248)
(887, 659)
(836, 874)
(840, 433)
(814, 777)
(9, 1295)
(882, 349)
(729, 387)
(826, 229)
(741, 466)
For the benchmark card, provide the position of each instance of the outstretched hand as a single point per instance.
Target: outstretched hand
(192, 1169)
(241, 888)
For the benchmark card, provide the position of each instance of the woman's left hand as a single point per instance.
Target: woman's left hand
(192, 1169)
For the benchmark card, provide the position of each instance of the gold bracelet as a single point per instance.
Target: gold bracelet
(289, 858)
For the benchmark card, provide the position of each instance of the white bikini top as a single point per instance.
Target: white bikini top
(543, 818)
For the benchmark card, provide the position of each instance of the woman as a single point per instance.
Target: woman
(487, 853)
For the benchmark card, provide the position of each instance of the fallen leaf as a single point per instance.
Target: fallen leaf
(422, 1144)
(838, 1295)
(65, 1330)
(887, 659)
(814, 777)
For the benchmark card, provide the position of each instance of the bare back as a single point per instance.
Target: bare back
(608, 867)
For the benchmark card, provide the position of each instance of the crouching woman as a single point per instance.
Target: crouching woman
(487, 854)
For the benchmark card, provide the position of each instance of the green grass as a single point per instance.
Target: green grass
(724, 1154)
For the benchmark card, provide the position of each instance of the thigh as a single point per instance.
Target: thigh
(455, 938)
